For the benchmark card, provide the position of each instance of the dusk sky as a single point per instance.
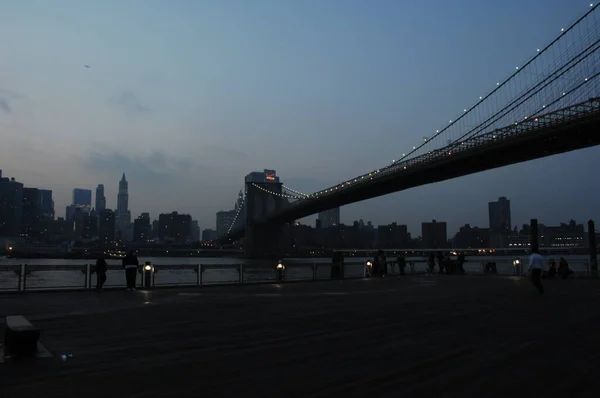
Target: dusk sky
(187, 97)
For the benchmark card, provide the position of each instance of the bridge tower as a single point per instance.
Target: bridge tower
(263, 197)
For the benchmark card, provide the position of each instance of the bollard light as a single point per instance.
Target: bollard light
(369, 264)
(280, 267)
(148, 267)
(516, 262)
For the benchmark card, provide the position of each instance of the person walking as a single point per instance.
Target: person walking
(131, 265)
(101, 268)
(536, 266)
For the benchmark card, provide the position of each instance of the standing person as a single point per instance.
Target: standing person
(401, 261)
(101, 268)
(131, 265)
(536, 266)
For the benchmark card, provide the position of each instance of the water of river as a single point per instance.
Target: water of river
(61, 274)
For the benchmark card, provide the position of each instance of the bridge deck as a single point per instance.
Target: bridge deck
(415, 336)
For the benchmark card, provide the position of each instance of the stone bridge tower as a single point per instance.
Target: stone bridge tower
(263, 198)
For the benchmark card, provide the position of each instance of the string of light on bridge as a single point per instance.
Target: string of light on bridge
(401, 163)
(522, 110)
(277, 193)
(239, 210)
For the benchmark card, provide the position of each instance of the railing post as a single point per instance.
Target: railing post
(593, 250)
(201, 273)
(21, 272)
(24, 272)
(314, 270)
(197, 274)
(88, 277)
(241, 273)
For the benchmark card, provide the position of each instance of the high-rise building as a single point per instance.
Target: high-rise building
(194, 231)
(90, 225)
(174, 227)
(106, 227)
(330, 218)
(47, 204)
(500, 223)
(393, 236)
(142, 228)
(100, 199)
(225, 220)
(499, 213)
(434, 235)
(31, 213)
(82, 197)
(123, 213)
(11, 206)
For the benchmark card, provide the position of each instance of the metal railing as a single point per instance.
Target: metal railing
(23, 277)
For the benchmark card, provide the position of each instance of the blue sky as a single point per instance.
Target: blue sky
(186, 97)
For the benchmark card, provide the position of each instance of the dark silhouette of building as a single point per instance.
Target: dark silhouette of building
(106, 227)
(90, 225)
(434, 234)
(393, 236)
(225, 219)
(142, 229)
(47, 203)
(174, 227)
(500, 223)
(100, 199)
(82, 197)
(195, 231)
(330, 218)
(11, 206)
(564, 235)
(31, 213)
(471, 237)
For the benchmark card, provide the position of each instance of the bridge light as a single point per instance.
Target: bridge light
(465, 110)
(480, 98)
(517, 68)
(562, 30)
(497, 84)
(564, 93)
(538, 50)
(414, 147)
(450, 121)
(437, 131)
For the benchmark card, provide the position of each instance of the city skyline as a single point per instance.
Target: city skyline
(202, 160)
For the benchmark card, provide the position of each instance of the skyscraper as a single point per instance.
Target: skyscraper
(82, 197)
(499, 213)
(123, 214)
(47, 204)
(330, 218)
(500, 223)
(106, 227)
(100, 199)
(11, 206)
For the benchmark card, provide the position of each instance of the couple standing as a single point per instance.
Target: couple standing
(131, 265)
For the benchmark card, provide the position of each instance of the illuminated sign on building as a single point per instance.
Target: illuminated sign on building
(265, 176)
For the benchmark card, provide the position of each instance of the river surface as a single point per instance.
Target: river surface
(45, 274)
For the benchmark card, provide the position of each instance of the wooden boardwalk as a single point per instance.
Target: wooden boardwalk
(442, 336)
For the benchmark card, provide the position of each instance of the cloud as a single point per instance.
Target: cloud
(6, 98)
(129, 102)
(155, 167)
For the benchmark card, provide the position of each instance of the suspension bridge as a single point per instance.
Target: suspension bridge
(548, 105)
